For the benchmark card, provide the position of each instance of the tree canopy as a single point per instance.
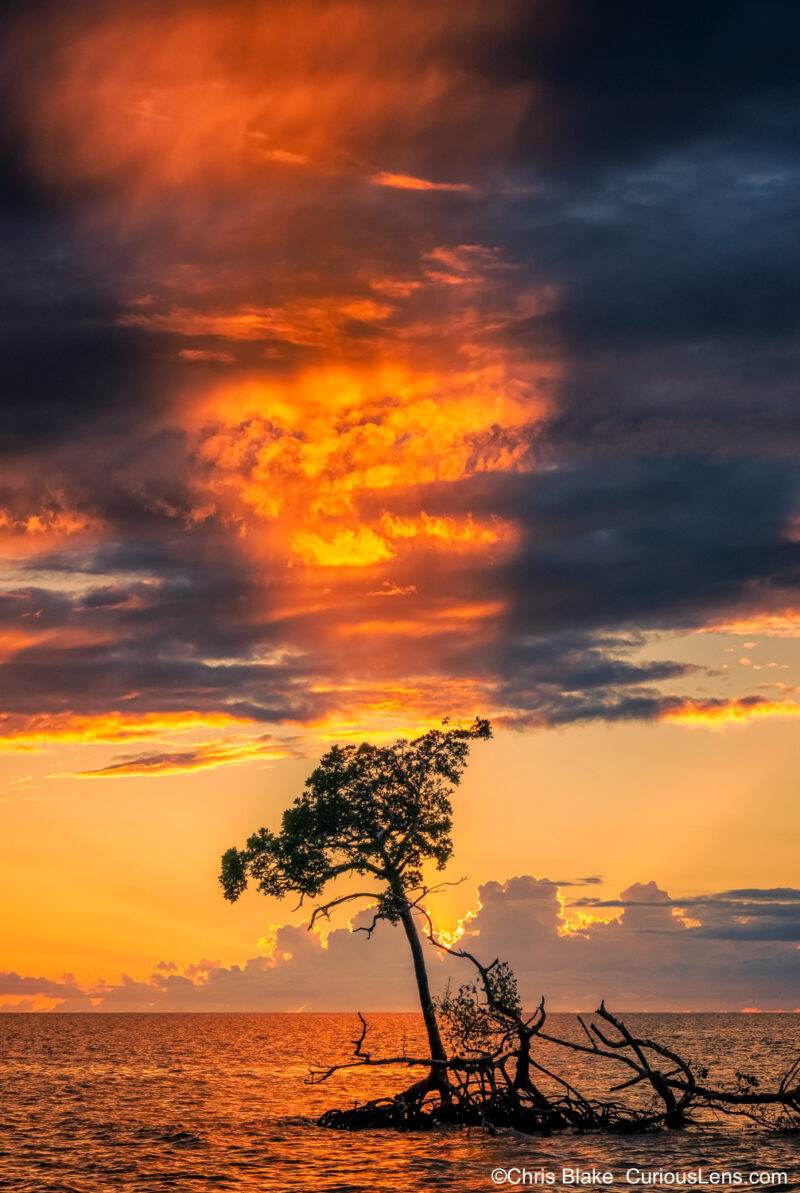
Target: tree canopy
(368, 810)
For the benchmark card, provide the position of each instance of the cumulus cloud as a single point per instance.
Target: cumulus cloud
(644, 951)
(63, 993)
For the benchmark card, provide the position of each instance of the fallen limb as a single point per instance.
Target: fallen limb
(492, 1085)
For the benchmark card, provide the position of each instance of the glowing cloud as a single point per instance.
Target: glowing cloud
(42, 731)
(784, 623)
(713, 713)
(407, 182)
(204, 757)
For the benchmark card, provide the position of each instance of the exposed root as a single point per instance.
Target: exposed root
(495, 1089)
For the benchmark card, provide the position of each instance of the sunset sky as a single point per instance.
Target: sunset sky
(366, 363)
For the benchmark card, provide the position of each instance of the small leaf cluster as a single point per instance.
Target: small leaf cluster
(475, 1020)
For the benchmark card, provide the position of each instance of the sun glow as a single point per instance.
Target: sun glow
(577, 923)
(451, 938)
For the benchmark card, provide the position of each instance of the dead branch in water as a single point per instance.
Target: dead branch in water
(487, 1078)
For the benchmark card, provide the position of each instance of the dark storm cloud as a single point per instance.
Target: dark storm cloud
(679, 308)
(623, 80)
(568, 678)
(170, 647)
(68, 368)
(151, 647)
(89, 682)
(654, 541)
(644, 179)
(85, 379)
(653, 545)
(670, 225)
(615, 542)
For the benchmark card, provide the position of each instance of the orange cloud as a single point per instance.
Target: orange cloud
(203, 354)
(29, 531)
(204, 757)
(407, 182)
(784, 623)
(463, 264)
(395, 287)
(317, 323)
(349, 548)
(463, 532)
(203, 94)
(729, 712)
(385, 711)
(445, 620)
(14, 641)
(309, 445)
(364, 547)
(41, 731)
(286, 156)
(307, 468)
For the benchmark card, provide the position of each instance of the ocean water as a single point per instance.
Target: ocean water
(141, 1103)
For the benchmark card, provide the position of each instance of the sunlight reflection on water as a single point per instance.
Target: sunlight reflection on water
(124, 1103)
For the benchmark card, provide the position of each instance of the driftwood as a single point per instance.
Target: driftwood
(494, 1077)
(496, 1089)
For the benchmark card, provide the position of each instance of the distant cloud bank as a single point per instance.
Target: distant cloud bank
(729, 950)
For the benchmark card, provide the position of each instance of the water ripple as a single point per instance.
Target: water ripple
(157, 1103)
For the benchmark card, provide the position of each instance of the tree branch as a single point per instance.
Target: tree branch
(325, 909)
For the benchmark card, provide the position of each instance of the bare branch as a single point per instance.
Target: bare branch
(324, 910)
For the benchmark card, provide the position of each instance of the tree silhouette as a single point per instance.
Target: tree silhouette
(379, 812)
(383, 812)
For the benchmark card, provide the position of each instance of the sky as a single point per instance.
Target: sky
(366, 364)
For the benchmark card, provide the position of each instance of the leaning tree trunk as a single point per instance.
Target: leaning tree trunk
(437, 1078)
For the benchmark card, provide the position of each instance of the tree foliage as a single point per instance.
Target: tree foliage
(480, 1016)
(375, 811)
